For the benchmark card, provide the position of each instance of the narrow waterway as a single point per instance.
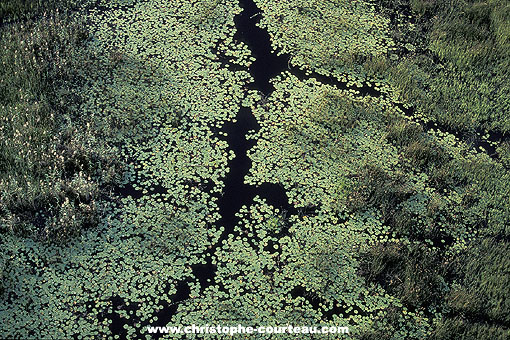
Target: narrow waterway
(236, 193)
(266, 66)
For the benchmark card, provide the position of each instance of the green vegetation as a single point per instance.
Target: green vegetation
(12, 11)
(153, 115)
(401, 231)
(413, 273)
(457, 71)
(54, 164)
(432, 192)
(479, 304)
(307, 29)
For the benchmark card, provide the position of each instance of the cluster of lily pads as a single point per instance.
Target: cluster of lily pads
(273, 269)
(313, 141)
(360, 174)
(167, 94)
(329, 37)
(362, 161)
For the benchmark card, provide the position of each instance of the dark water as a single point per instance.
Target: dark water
(168, 311)
(164, 315)
(267, 64)
(236, 193)
(472, 139)
(117, 325)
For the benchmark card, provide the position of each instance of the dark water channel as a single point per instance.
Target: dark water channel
(266, 66)
(236, 193)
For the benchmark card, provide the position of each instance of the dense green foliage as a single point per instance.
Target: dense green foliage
(459, 193)
(455, 65)
(112, 162)
(306, 30)
(21, 10)
(54, 165)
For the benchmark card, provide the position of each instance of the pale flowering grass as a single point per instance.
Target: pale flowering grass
(53, 169)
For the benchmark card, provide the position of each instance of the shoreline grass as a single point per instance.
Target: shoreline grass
(53, 165)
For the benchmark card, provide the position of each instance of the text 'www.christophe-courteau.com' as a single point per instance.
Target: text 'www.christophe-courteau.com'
(239, 329)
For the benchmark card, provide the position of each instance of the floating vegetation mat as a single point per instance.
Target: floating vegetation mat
(323, 145)
(277, 270)
(328, 37)
(168, 94)
(380, 206)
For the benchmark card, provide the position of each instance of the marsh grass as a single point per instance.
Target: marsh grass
(402, 132)
(462, 328)
(53, 168)
(374, 187)
(459, 76)
(479, 307)
(335, 112)
(21, 10)
(412, 273)
(416, 146)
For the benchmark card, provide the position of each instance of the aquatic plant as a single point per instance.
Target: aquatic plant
(376, 176)
(306, 30)
(394, 229)
(143, 249)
